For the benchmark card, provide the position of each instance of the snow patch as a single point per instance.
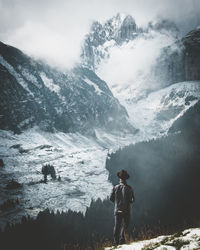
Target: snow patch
(189, 239)
(96, 87)
(25, 122)
(15, 74)
(49, 83)
(29, 77)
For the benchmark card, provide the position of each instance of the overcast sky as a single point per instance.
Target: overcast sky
(54, 29)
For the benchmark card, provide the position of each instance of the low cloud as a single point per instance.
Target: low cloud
(54, 30)
(128, 69)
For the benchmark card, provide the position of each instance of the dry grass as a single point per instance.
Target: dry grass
(146, 233)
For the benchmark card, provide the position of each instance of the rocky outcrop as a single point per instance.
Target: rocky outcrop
(115, 31)
(127, 30)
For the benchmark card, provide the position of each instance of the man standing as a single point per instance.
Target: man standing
(122, 195)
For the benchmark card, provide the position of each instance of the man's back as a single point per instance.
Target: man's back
(122, 195)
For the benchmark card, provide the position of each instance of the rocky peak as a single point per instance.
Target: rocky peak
(115, 31)
(192, 39)
(128, 28)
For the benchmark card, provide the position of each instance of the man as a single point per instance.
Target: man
(122, 195)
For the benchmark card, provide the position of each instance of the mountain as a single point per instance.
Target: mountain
(32, 93)
(72, 119)
(66, 119)
(102, 36)
(115, 32)
(125, 55)
(180, 61)
(155, 113)
(148, 59)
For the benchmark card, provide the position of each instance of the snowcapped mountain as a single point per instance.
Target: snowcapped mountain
(142, 60)
(32, 93)
(68, 119)
(125, 55)
(73, 119)
(103, 36)
(117, 32)
(156, 113)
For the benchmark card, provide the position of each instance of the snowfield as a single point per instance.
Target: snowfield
(187, 240)
(78, 160)
(155, 113)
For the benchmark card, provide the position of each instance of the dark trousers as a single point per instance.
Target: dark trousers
(121, 225)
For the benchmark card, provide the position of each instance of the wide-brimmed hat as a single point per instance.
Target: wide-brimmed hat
(123, 174)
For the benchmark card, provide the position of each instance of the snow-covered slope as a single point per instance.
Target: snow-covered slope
(32, 93)
(189, 239)
(155, 113)
(78, 160)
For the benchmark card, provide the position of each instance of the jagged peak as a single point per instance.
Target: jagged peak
(111, 28)
(129, 20)
(115, 22)
(118, 19)
(116, 30)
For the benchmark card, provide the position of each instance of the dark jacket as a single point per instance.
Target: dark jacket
(122, 195)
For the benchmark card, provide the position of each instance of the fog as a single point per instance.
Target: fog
(164, 173)
(128, 70)
(54, 30)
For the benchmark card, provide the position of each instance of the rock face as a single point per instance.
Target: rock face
(32, 93)
(181, 61)
(115, 31)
